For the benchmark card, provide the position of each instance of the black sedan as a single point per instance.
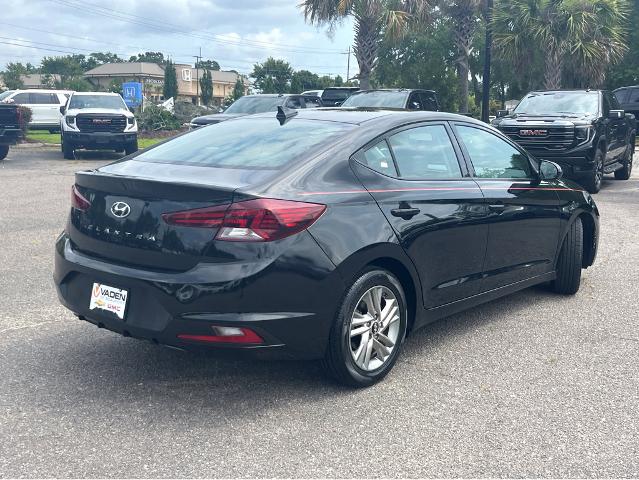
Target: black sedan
(320, 234)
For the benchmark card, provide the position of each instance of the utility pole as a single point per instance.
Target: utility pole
(348, 64)
(197, 76)
(485, 103)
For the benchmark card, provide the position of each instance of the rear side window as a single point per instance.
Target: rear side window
(425, 153)
(493, 157)
(312, 102)
(43, 98)
(379, 158)
(257, 143)
(429, 102)
(634, 96)
(622, 95)
(294, 102)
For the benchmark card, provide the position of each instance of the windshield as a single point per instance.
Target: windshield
(559, 103)
(4, 95)
(250, 105)
(250, 143)
(111, 102)
(376, 99)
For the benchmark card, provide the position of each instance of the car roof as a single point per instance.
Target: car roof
(41, 90)
(408, 90)
(360, 115)
(567, 90)
(104, 94)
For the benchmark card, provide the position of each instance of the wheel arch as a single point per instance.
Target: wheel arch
(590, 238)
(389, 257)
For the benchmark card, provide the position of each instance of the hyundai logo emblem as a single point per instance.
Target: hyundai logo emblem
(120, 209)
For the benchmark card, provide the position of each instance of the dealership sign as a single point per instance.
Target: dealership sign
(132, 94)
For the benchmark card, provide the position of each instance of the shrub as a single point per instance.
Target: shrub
(156, 118)
(24, 116)
(186, 111)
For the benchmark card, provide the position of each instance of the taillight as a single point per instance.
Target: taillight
(78, 201)
(226, 335)
(260, 220)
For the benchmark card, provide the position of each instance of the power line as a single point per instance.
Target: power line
(179, 30)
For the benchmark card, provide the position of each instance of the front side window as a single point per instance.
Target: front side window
(425, 153)
(493, 157)
(622, 95)
(294, 102)
(21, 99)
(634, 96)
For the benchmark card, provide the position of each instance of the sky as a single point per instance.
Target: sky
(236, 33)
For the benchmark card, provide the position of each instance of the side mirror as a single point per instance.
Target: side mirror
(62, 108)
(616, 114)
(550, 170)
(502, 113)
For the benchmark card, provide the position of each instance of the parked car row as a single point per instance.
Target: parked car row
(44, 105)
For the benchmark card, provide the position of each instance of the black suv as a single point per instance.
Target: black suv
(263, 103)
(628, 98)
(584, 131)
(399, 98)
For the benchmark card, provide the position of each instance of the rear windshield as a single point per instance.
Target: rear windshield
(112, 102)
(335, 94)
(255, 143)
(374, 98)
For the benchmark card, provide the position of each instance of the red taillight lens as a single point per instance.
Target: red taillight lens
(261, 220)
(78, 201)
(226, 335)
(208, 217)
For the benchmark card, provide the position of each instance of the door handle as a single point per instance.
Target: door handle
(497, 207)
(405, 213)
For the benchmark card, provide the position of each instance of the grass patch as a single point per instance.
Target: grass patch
(41, 136)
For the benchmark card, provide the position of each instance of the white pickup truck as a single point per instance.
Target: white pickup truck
(97, 121)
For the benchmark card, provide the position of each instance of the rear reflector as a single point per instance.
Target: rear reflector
(78, 201)
(226, 335)
(260, 220)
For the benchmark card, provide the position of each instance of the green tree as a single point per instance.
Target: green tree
(626, 72)
(100, 58)
(581, 39)
(423, 59)
(272, 76)
(11, 75)
(208, 65)
(150, 57)
(373, 19)
(170, 81)
(206, 87)
(238, 89)
(304, 80)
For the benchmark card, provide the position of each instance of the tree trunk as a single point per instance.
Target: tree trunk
(553, 68)
(464, 29)
(367, 38)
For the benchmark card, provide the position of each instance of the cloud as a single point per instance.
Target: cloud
(237, 33)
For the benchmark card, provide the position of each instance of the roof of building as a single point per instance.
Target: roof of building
(126, 69)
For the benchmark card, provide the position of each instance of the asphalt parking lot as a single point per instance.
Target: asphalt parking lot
(531, 385)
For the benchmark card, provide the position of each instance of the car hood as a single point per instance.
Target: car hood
(216, 118)
(99, 111)
(546, 120)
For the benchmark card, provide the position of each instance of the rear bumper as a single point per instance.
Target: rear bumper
(291, 311)
(100, 139)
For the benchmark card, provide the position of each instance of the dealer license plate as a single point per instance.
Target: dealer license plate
(108, 298)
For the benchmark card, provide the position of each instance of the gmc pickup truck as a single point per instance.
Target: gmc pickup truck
(10, 131)
(584, 131)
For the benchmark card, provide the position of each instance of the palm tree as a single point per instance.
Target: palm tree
(465, 17)
(373, 19)
(587, 35)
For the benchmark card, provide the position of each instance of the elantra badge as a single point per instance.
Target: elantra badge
(120, 209)
(533, 133)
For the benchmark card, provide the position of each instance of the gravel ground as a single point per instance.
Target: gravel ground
(530, 385)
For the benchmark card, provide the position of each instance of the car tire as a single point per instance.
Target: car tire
(131, 148)
(593, 185)
(4, 151)
(365, 342)
(570, 261)
(68, 152)
(625, 172)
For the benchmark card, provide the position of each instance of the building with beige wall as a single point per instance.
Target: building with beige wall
(151, 76)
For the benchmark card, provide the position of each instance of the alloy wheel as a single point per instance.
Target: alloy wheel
(375, 327)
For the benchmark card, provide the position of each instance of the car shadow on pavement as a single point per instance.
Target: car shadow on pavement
(97, 364)
(98, 155)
